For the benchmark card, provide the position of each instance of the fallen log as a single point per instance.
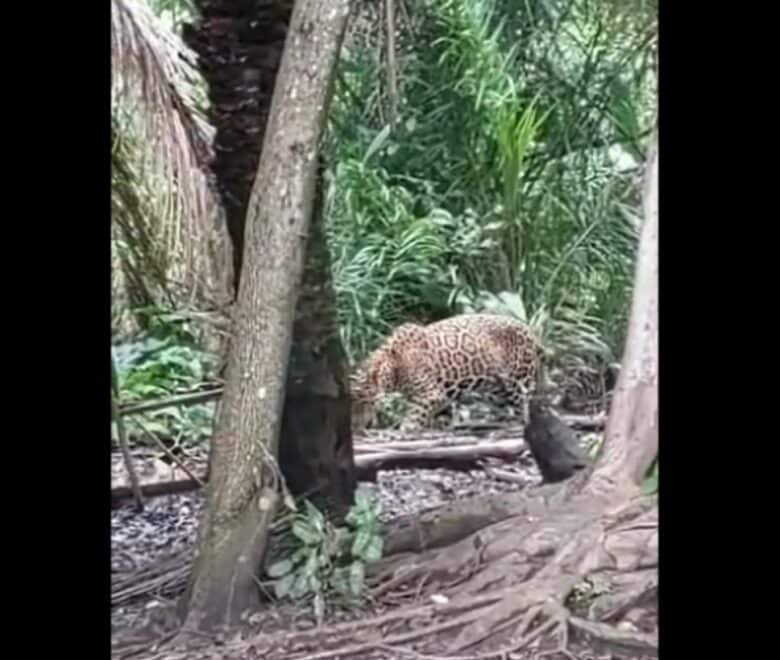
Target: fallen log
(122, 493)
(474, 430)
(433, 450)
(451, 522)
(368, 461)
(464, 457)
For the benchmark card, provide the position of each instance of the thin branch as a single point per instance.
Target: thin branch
(392, 73)
(179, 400)
(170, 454)
(121, 432)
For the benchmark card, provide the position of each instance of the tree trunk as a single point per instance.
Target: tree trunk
(315, 447)
(239, 45)
(632, 427)
(243, 486)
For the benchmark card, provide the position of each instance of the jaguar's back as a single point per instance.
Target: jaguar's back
(437, 364)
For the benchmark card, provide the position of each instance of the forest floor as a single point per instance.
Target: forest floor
(168, 524)
(165, 531)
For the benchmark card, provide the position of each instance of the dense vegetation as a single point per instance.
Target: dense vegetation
(491, 162)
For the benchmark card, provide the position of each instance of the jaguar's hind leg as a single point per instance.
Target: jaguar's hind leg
(517, 394)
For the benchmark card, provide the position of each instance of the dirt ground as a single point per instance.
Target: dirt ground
(165, 531)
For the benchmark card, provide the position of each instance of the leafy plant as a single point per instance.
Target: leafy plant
(510, 180)
(650, 484)
(329, 559)
(161, 362)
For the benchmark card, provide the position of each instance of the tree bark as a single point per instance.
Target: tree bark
(239, 45)
(631, 436)
(243, 485)
(315, 448)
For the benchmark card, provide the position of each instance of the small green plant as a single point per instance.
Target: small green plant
(163, 361)
(328, 559)
(650, 484)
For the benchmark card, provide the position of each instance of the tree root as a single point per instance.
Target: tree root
(506, 590)
(548, 557)
(613, 640)
(503, 588)
(613, 606)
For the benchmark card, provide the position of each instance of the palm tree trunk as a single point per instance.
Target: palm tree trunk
(239, 45)
(244, 480)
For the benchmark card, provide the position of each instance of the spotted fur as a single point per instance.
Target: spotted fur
(436, 365)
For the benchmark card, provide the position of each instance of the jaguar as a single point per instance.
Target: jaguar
(438, 364)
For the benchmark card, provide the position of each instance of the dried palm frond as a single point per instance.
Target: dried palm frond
(156, 79)
(139, 273)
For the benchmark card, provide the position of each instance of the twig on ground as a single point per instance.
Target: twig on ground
(169, 453)
(505, 475)
(122, 433)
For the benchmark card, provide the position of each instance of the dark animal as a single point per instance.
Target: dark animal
(554, 446)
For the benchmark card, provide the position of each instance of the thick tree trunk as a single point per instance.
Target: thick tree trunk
(239, 44)
(243, 485)
(632, 428)
(315, 447)
(240, 47)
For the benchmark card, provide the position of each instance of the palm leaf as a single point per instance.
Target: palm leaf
(155, 82)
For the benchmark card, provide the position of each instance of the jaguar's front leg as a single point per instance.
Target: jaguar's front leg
(422, 409)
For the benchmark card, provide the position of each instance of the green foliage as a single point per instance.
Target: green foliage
(173, 12)
(327, 560)
(508, 183)
(164, 360)
(650, 484)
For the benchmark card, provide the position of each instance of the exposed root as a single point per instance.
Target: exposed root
(614, 640)
(613, 606)
(505, 588)
(557, 621)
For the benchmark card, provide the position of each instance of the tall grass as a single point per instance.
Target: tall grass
(510, 179)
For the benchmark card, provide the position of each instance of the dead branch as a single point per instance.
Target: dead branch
(577, 421)
(504, 475)
(392, 74)
(464, 457)
(189, 399)
(121, 493)
(170, 454)
(135, 487)
(463, 454)
(167, 575)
